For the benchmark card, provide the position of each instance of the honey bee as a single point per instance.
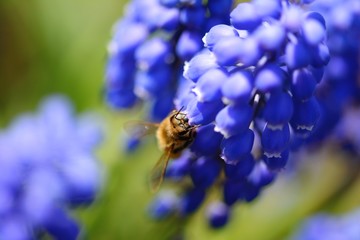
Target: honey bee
(173, 134)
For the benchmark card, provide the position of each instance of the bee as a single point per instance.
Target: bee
(173, 134)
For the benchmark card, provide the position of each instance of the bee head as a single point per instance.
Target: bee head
(180, 119)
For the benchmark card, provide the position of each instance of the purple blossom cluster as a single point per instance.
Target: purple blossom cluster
(339, 92)
(47, 165)
(251, 89)
(258, 79)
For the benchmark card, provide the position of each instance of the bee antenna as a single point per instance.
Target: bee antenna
(179, 111)
(195, 126)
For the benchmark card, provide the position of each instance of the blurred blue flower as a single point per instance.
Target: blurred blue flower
(163, 205)
(327, 226)
(47, 165)
(218, 214)
(339, 88)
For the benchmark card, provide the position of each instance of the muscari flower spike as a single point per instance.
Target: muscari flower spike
(252, 90)
(47, 165)
(339, 90)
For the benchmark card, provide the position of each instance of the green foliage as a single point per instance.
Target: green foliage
(51, 47)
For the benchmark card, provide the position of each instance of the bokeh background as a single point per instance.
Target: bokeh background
(59, 46)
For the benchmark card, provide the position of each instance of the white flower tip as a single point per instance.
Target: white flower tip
(222, 131)
(199, 95)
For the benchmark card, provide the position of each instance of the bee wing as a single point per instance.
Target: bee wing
(139, 129)
(158, 172)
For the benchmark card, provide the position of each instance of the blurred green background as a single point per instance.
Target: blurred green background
(53, 46)
(59, 46)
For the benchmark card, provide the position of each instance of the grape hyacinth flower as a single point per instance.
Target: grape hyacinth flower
(251, 90)
(327, 226)
(149, 46)
(340, 87)
(47, 165)
(164, 205)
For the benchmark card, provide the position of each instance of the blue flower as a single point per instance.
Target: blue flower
(328, 226)
(264, 90)
(191, 201)
(339, 88)
(47, 164)
(250, 86)
(150, 44)
(251, 89)
(204, 179)
(218, 214)
(164, 205)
